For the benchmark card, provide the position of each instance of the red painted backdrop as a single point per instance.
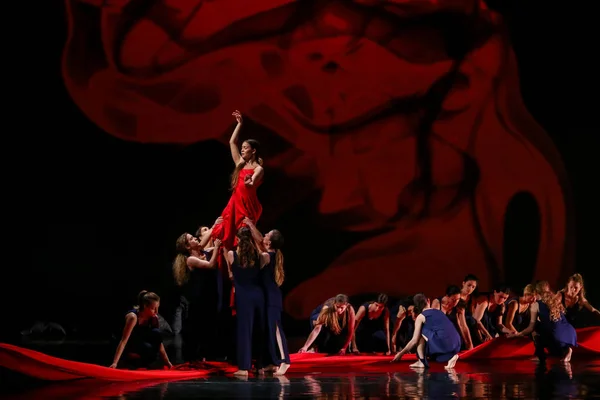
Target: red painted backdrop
(407, 115)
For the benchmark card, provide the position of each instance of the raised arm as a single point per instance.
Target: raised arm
(195, 262)
(130, 321)
(204, 241)
(235, 151)
(415, 339)
(256, 235)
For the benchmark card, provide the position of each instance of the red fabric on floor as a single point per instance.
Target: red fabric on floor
(50, 368)
(42, 366)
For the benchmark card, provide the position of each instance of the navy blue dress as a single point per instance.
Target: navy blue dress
(490, 318)
(521, 319)
(250, 313)
(328, 341)
(370, 335)
(274, 308)
(144, 342)
(199, 332)
(443, 341)
(555, 336)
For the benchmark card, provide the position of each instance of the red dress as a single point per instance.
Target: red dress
(243, 203)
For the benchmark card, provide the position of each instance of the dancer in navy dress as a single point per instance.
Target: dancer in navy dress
(575, 303)
(332, 325)
(141, 341)
(372, 332)
(554, 332)
(435, 336)
(272, 278)
(246, 264)
(517, 315)
(454, 307)
(404, 323)
(488, 314)
(198, 279)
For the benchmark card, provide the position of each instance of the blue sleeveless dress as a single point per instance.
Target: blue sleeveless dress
(250, 313)
(555, 336)
(443, 341)
(144, 342)
(370, 335)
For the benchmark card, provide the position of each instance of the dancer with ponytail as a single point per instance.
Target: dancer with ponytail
(141, 342)
(272, 278)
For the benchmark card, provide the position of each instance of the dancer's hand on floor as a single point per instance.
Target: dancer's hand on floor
(397, 357)
(113, 366)
(302, 350)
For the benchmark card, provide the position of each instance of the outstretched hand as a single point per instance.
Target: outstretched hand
(248, 221)
(217, 242)
(238, 116)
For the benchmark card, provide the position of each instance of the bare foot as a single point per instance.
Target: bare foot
(418, 364)
(260, 371)
(567, 358)
(241, 373)
(452, 362)
(282, 369)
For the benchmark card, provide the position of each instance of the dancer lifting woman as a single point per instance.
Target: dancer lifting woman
(435, 336)
(246, 264)
(272, 278)
(195, 274)
(332, 325)
(141, 342)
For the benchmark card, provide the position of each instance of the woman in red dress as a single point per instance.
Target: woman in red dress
(246, 178)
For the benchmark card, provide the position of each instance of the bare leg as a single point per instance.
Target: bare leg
(567, 358)
(284, 366)
(420, 354)
(452, 362)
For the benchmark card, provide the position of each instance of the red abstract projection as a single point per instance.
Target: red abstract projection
(406, 115)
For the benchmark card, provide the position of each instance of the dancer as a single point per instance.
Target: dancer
(246, 264)
(554, 332)
(488, 314)
(574, 301)
(373, 335)
(181, 311)
(272, 278)
(246, 178)
(454, 307)
(517, 315)
(468, 292)
(141, 341)
(404, 324)
(435, 336)
(332, 326)
(198, 279)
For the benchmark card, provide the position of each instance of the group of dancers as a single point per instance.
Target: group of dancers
(230, 276)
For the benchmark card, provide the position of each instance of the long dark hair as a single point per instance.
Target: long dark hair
(247, 251)
(255, 144)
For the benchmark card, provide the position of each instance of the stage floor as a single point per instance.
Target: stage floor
(481, 379)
